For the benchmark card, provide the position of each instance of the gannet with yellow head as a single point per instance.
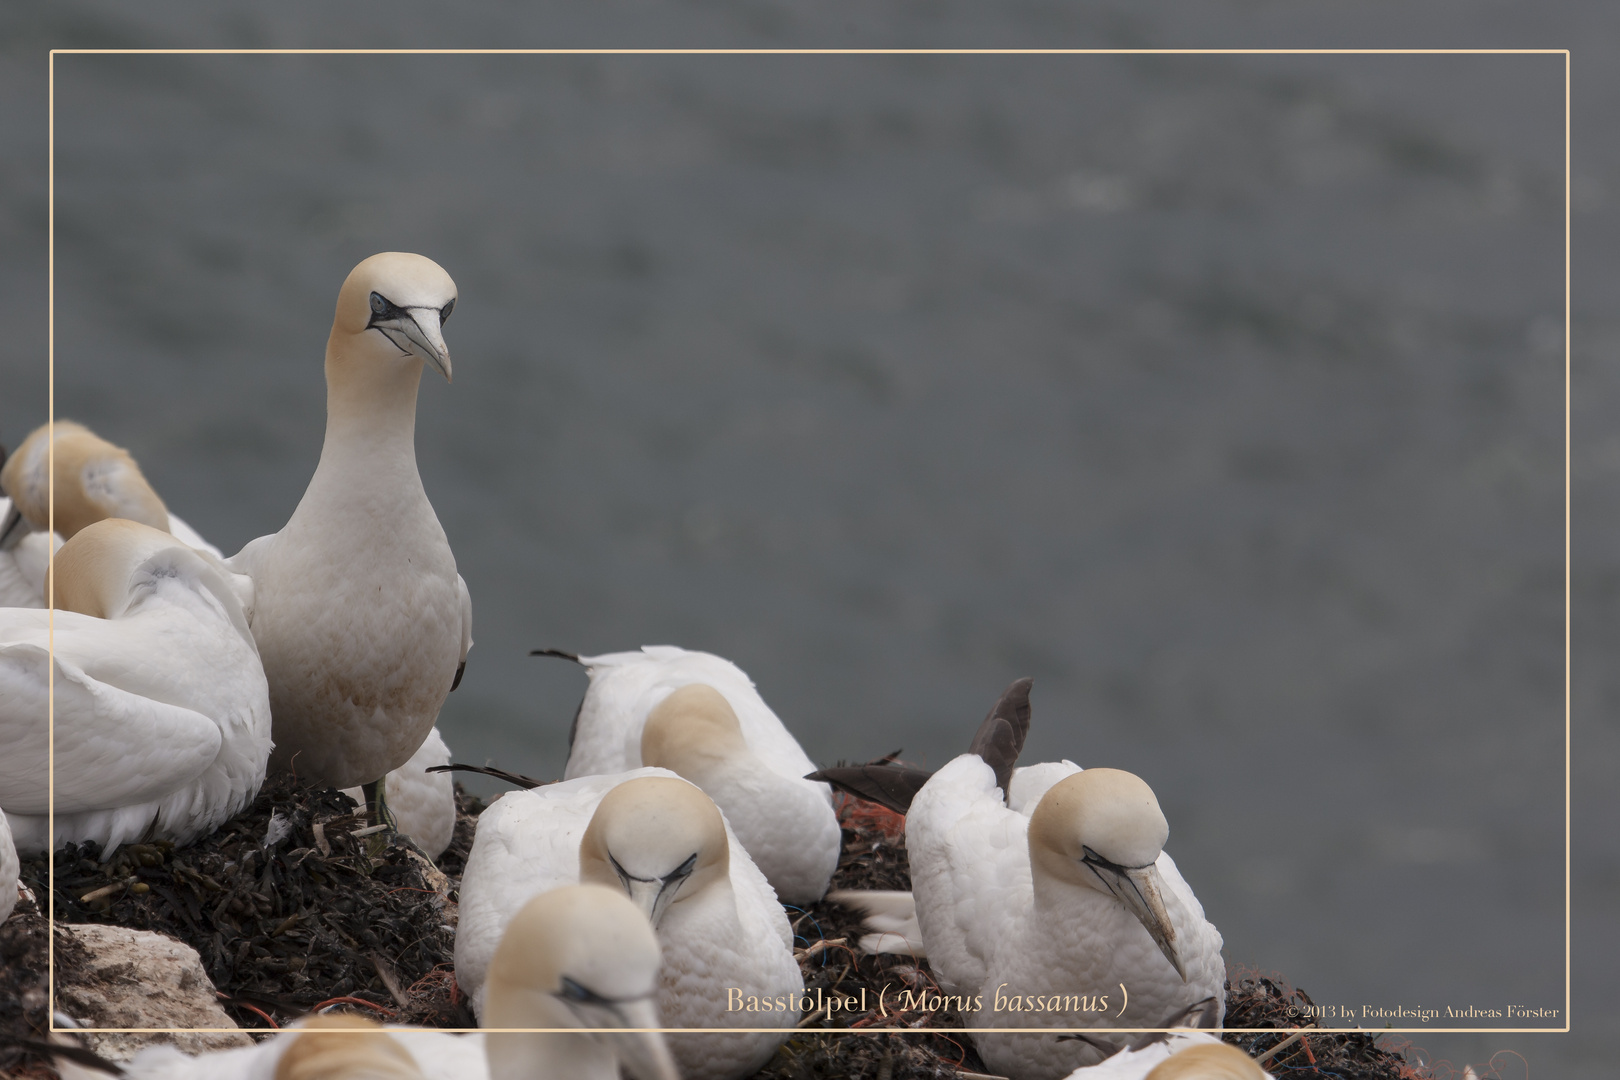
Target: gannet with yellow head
(1053, 883)
(700, 716)
(162, 712)
(94, 480)
(660, 841)
(360, 617)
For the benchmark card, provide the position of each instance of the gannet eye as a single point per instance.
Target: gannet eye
(379, 306)
(444, 312)
(573, 991)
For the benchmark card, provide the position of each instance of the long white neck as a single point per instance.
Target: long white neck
(368, 461)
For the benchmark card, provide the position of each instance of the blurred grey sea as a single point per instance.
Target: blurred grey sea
(1222, 394)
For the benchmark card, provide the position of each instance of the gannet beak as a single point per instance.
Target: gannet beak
(415, 330)
(644, 1054)
(423, 331)
(1138, 889)
(14, 529)
(654, 895)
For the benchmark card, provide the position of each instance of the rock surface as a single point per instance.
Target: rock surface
(122, 978)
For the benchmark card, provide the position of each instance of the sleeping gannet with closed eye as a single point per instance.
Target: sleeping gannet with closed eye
(94, 480)
(361, 619)
(162, 712)
(701, 717)
(662, 842)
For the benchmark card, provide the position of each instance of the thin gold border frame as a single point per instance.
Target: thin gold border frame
(51, 407)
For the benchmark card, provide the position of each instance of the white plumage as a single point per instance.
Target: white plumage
(786, 823)
(162, 714)
(359, 614)
(1014, 907)
(8, 870)
(423, 803)
(718, 921)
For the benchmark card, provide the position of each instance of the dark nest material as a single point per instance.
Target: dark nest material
(289, 910)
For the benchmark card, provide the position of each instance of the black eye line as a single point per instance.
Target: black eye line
(683, 870)
(444, 312)
(584, 995)
(1093, 859)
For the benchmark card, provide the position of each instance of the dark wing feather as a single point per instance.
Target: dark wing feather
(892, 786)
(517, 779)
(1000, 738)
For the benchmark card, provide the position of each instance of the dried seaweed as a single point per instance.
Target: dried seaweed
(322, 916)
(1254, 1000)
(287, 908)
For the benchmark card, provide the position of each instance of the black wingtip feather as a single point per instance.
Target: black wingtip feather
(1000, 739)
(516, 779)
(561, 654)
(893, 786)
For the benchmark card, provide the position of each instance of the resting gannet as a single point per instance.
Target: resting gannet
(717, 732)
(1051, 882)
(423, 803)
(94, 480)
(330, 1047)
(1189, 1055)
(8, 870)
(727, 947)
(162, 713)
(361, 619)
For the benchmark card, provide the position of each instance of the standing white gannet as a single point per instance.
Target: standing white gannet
(162, 713)
(657, 838)
(94, 480)
(423, 803)
(724, 739)
(361, 619)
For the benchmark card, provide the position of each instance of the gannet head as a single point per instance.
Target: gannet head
(1208, 1061)
(1103, 829)
(320, 1053)
(395, 304)
(93, 569)
(580, 956)
(94, 480)
(658, 839)
(692, 731)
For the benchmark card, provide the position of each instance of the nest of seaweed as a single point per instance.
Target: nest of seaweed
(291, 912)
(288, 908)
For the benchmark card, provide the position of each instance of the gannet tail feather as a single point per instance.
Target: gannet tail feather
(1000, 739)
(557, 653)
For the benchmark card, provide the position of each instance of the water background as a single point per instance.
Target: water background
(1221, 394)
